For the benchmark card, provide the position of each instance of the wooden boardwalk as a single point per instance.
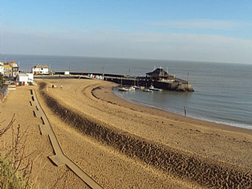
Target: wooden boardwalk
(59, 158)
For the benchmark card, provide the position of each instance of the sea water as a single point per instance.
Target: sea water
(223, 91)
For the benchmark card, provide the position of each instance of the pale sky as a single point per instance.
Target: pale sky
(194, 30)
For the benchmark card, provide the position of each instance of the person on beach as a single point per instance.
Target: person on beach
(185, 110)
(61, 86)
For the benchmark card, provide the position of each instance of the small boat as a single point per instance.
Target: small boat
(123, 89)
(151, 87)
(139, 87)
(131, 88)
(147, 90)
(155, 89)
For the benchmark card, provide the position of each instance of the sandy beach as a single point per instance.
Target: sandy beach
(125, 145)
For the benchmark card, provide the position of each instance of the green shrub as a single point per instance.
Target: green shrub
(15, 170)
(9, 177)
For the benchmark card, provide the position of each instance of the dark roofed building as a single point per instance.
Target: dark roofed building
(158, 74)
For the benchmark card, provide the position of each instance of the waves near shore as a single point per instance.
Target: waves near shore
(175, 163)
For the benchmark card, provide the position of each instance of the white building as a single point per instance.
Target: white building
(40, 69)
(1, 67)
(24, 78)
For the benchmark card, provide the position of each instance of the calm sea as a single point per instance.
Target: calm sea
(223, 92)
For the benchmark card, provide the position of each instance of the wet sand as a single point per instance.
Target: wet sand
(125, 145)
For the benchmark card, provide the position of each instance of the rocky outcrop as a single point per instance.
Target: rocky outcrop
(182, 87)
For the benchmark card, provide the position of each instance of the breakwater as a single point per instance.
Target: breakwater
(176, 85)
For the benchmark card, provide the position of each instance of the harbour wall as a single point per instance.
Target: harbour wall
(176, 85)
